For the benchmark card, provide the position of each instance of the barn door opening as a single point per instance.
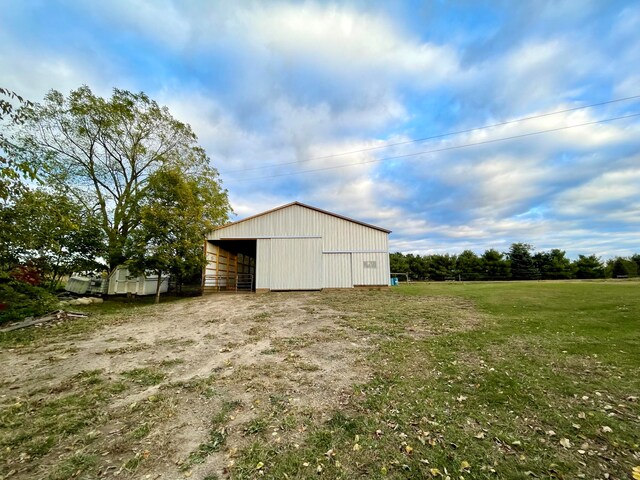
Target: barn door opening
(230, 266)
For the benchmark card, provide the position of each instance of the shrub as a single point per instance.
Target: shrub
(19, 300)
(27, 274)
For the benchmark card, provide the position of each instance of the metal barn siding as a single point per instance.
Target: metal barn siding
(263, 263)
(337, 270)
(299, 221)
(296, 264)
(370, 268)
(299, 247)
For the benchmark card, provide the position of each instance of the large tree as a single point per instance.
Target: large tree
(441, 266)
(418, 266)
(495, 265)
(469, 266)
(174, 218)
(521, 260)
(620, 267)
(50, 232)
(635, 258)
(588, 267)
(103, 152)
(553, 265)
(398, 263)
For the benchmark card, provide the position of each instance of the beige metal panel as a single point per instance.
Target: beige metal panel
(338, 234)
(263, 263)
(370, 268)
(296, 264)
(286, 222)
(286, 263)
(337, 270)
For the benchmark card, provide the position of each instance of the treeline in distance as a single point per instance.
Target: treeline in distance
(519, 263)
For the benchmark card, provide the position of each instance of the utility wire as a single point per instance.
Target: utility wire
(443, 149)
(433, 137)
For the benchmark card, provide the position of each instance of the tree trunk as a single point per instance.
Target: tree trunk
(115, 256)
(158, 286)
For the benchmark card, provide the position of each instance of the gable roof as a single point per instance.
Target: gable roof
(305, 206)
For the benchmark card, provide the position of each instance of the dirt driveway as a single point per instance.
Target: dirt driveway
(177, 390)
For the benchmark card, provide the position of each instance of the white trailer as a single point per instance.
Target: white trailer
(122, 282)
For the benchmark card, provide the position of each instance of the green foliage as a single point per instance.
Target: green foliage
(51, 232)
(177, 212)
(19, 300)
(636, 259)
(441, 267)
(522, 264)
(495, 265)
(620, 268)
(418, 266)
(13, 169)
(492, 265)
(469, 266)
(553, 265)
(588, 267)
(104, 151)
(398, 263)
(466, 266)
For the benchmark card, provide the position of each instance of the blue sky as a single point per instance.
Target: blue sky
(278, 91)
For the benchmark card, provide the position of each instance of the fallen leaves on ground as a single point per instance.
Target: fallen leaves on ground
(565, 442)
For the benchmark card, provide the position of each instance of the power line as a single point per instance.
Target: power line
(443, 149)
(433, 137)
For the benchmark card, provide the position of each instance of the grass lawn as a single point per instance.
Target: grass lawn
(459, 381)
(544, 384)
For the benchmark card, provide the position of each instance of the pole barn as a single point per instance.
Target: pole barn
(296, 247)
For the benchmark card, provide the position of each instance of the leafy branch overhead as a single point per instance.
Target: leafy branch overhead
(104, 152)
(13, 170)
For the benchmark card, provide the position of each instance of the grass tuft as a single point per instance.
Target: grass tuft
(146, 377)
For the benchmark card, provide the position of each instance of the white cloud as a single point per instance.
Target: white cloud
(348, 43)
(594, 198)
(281, 35)
(160, 20)
(33, 73)
(278, 82)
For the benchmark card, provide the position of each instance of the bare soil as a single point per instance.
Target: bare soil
(272, 364)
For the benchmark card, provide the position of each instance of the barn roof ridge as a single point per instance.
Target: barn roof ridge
(300, 204)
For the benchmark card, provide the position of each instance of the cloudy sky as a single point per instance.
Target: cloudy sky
(371, 109)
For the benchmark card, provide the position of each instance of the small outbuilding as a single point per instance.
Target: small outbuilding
(296, 247)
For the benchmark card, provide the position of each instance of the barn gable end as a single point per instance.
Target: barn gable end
(298, 247)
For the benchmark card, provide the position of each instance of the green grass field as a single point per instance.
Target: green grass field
(538, 380)
(459, 381)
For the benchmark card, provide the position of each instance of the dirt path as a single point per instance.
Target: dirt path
(223, 367)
